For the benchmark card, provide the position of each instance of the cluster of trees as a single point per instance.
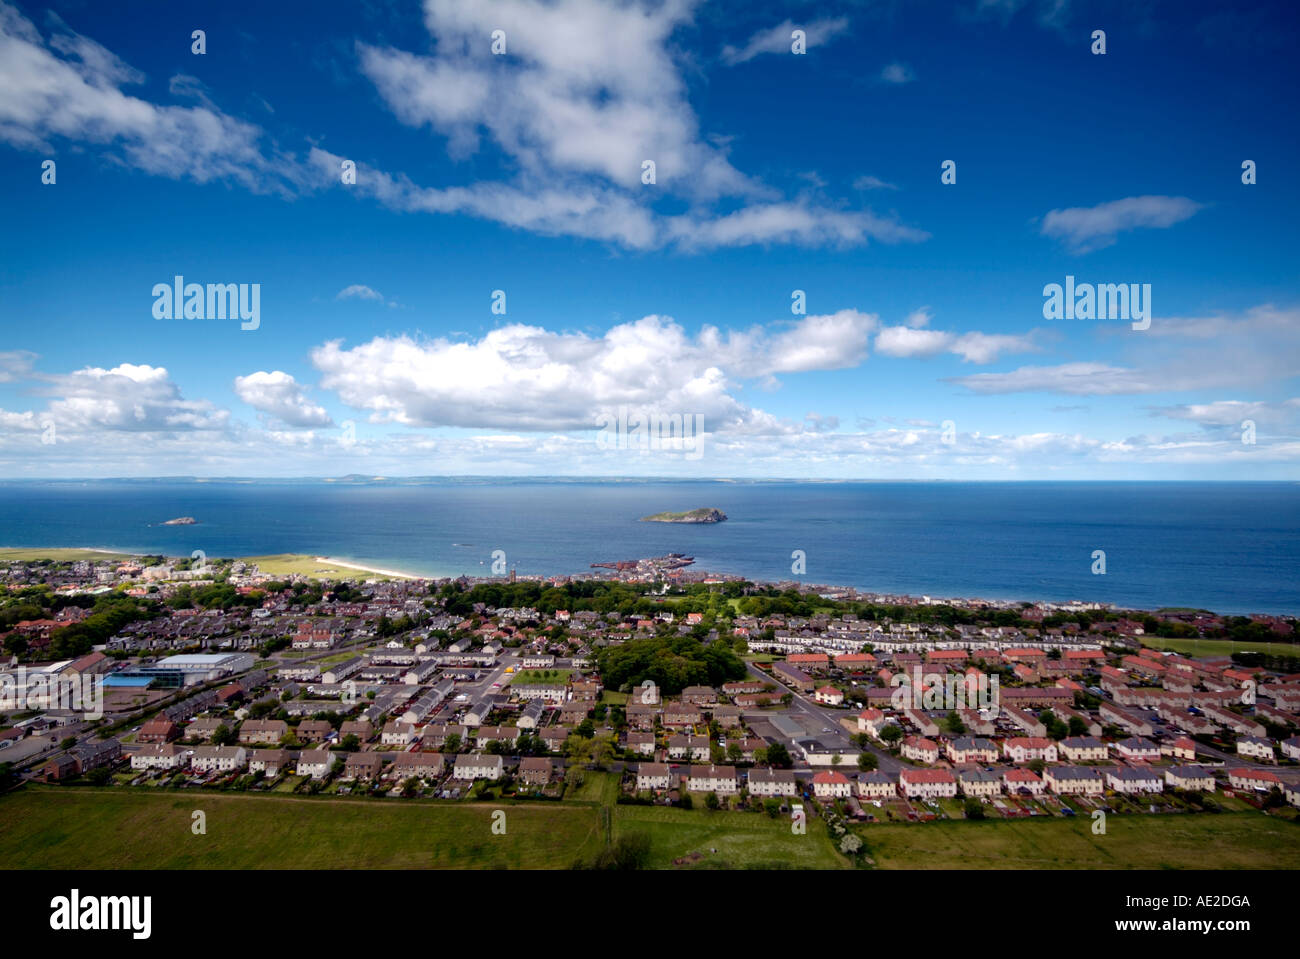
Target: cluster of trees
(214, 596)
(671, 662)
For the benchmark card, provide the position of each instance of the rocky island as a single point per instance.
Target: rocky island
(181, 521)
(708, 515)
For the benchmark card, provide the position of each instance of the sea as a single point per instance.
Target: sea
(1227, 547)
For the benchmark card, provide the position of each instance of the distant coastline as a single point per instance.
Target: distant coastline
(32, 554)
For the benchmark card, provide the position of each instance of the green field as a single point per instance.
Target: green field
(1198, 841)
(743, 840)
(1219, 647)
(10, 555)
(540, 677)
(116, 828)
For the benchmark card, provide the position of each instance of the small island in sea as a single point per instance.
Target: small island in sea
(706, 515)
(181, 521)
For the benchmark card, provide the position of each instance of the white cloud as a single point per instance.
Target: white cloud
(359, 292)
(1176, 354)
(69, 88)
(1083, 229)
(872, 183)
(526, 378)
(135, 398)
(897, 74)
(912, 339)
(1231, 413)
(279, 395)
(778, 40)
(587, 92)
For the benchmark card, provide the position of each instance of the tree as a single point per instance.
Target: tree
(224, 736)
(867, 761)
(350, 743)
(974, 809)
(778, 756)
(891, 734)
(836, 759)
(850, 844)
(711, 800)
(954, 724)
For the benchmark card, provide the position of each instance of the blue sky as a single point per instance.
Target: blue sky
(923, 353)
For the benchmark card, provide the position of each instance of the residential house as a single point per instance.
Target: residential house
(473, 766)
(1134, 779)
(1082, 749)
(829, 784)
(536, 771)
(1196, 778)
(218, 759)
(877, 784)
(716, 779)
(653, 776)
(1075, 780)
(927, 783)
(315, 763)
(772, 782)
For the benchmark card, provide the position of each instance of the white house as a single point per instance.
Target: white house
(653, 776)
(224, 759)
(772, 782)
(717, 779)
(160, 756)
(315, 763)
(478, 766)
(1130, 779)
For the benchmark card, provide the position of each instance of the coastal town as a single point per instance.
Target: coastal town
(688, 689)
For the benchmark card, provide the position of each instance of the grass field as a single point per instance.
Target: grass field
(83, 828)
(743, 840)
(539, 677)
(1224, 841)
(10, 555)
(1219, 647)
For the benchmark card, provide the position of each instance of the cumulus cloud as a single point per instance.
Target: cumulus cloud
(278, 394)
(1084, 229)
(588, 92)
(69, 87)
(912, 339)
(527, 378)
(778, 40)
(128, 397)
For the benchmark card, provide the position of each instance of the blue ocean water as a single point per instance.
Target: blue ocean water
(1230, 547)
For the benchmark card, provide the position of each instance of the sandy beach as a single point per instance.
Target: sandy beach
(364, 569)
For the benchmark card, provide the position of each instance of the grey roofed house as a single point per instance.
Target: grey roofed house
(1074, 773)
(1190, 772)
(879, 777)
(765, 775)
(1083, 742)
(977, 774)
(1133, 774)
(964, 743)
(532, 714)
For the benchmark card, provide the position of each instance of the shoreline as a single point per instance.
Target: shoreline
(935, 599)
(333, 561)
